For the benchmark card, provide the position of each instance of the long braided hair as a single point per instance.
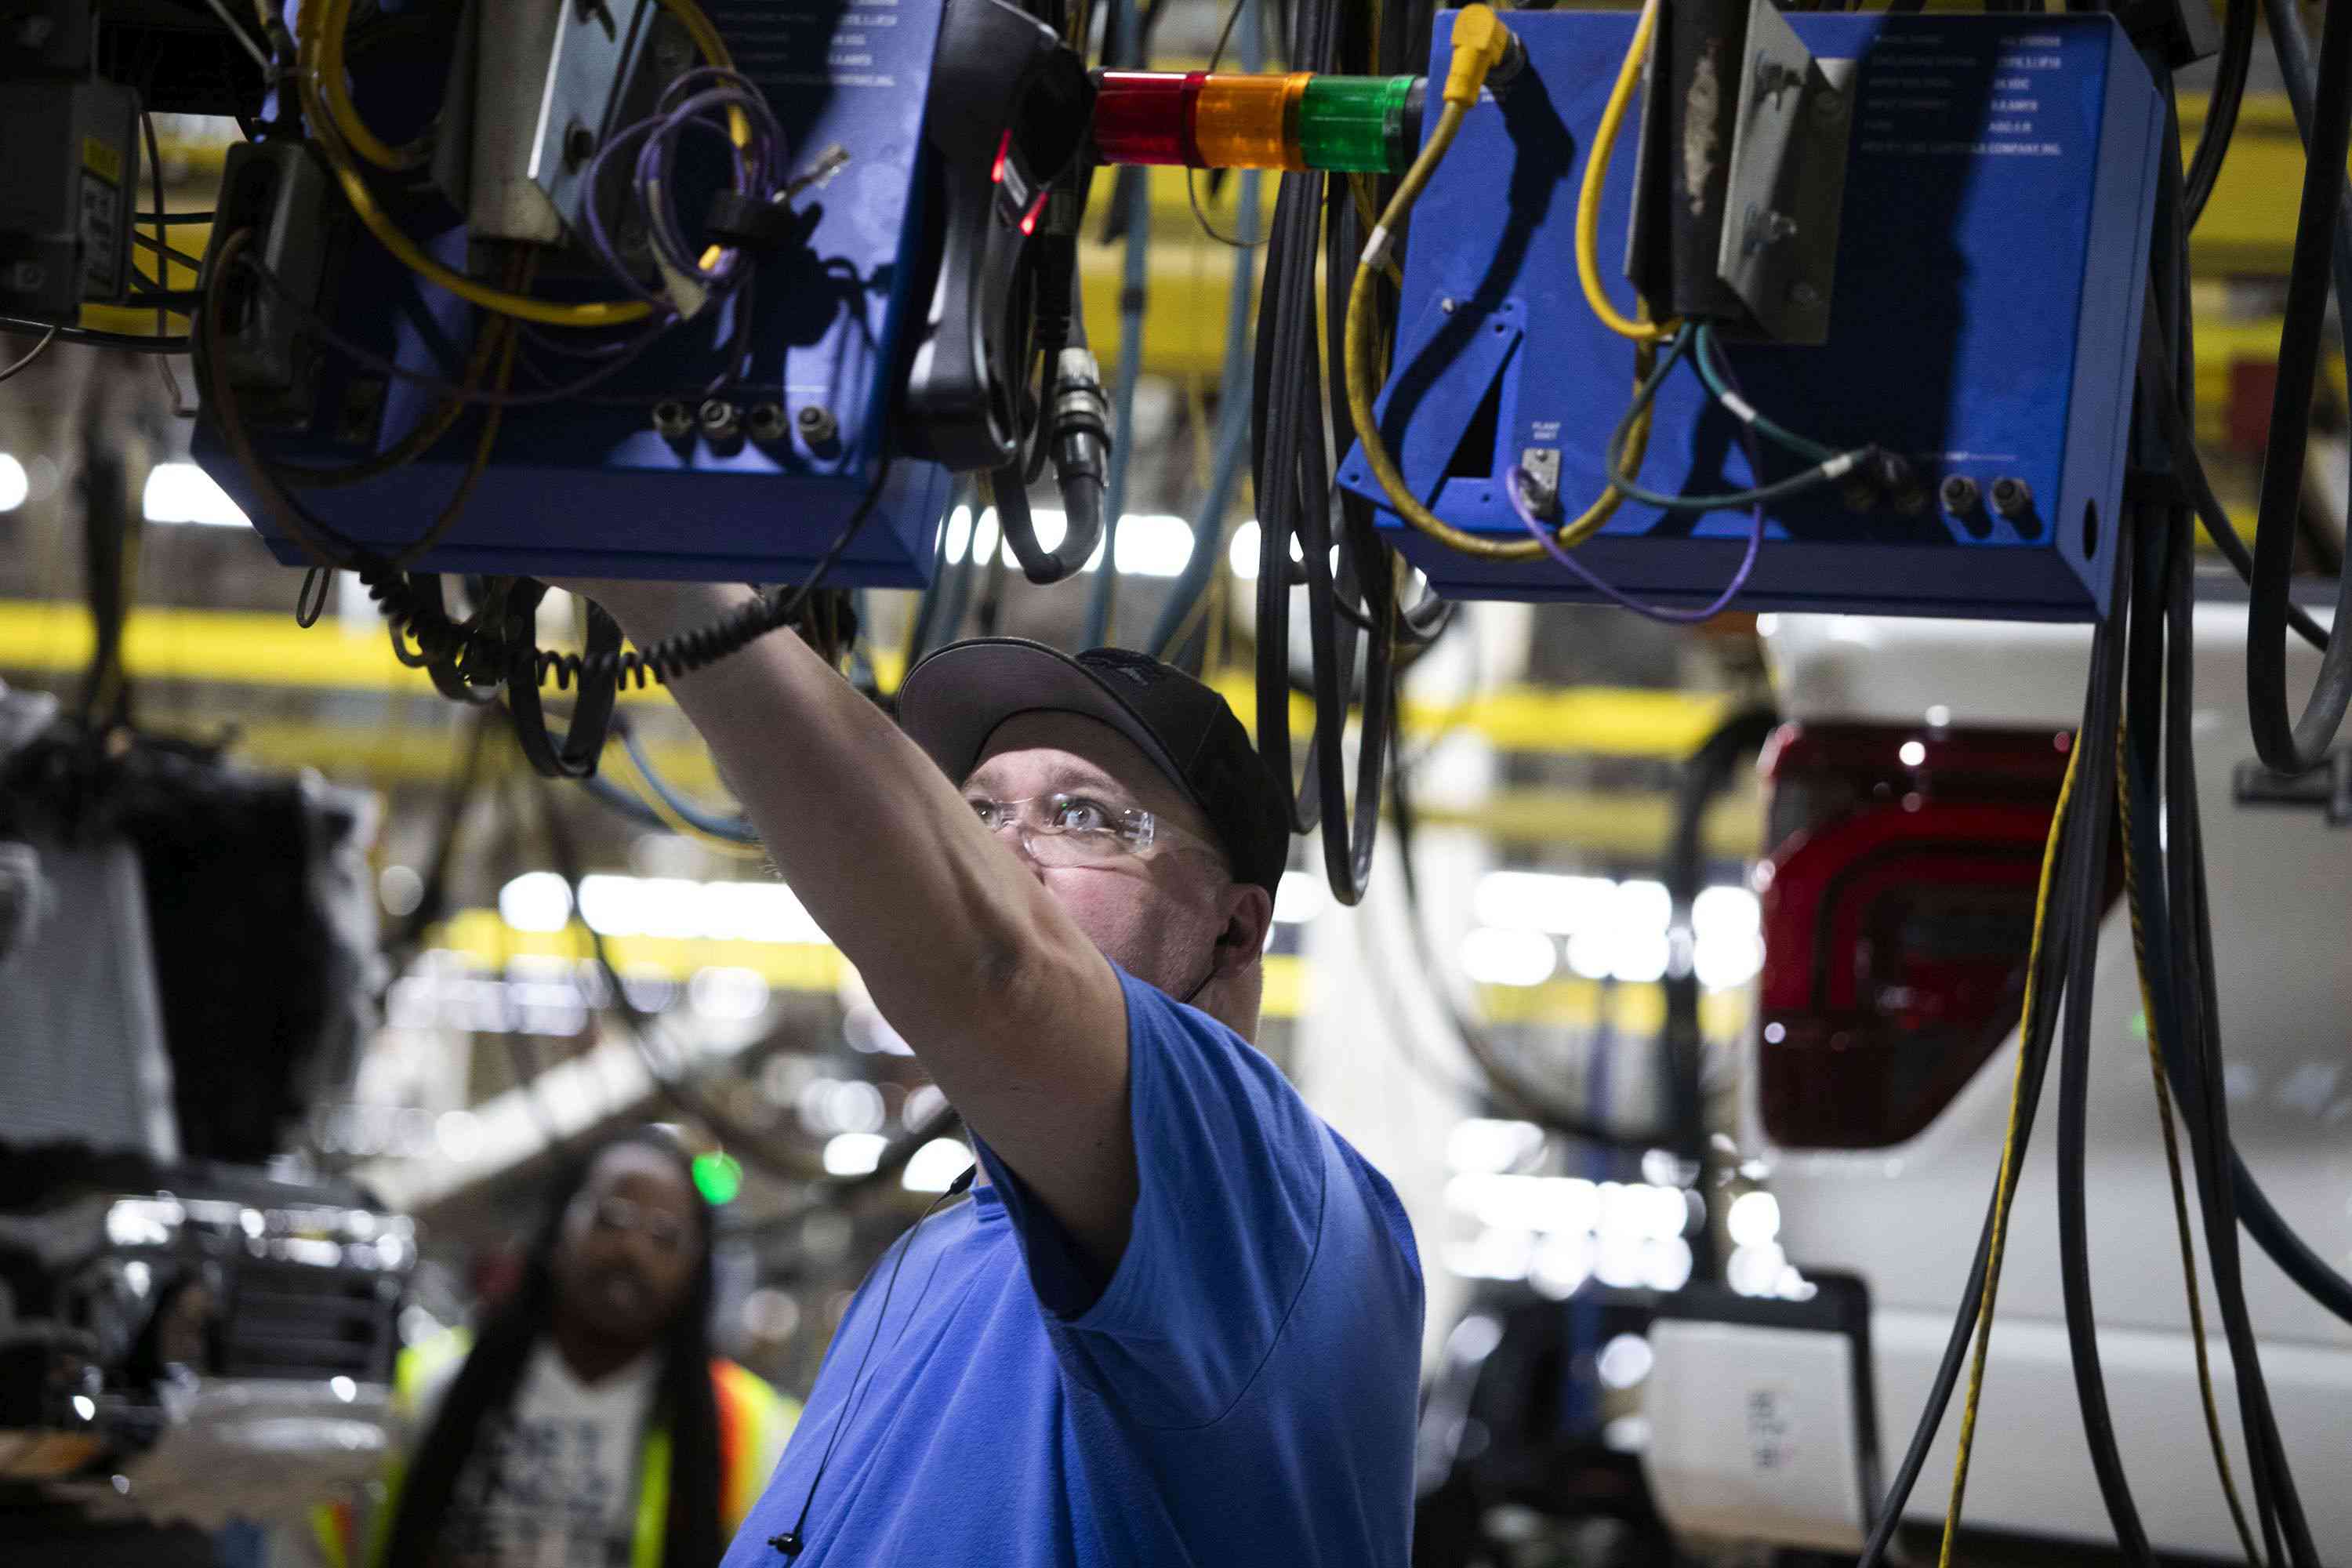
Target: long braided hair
(485, 1386)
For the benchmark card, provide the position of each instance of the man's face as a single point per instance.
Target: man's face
(1158, 916)
(631, 1240)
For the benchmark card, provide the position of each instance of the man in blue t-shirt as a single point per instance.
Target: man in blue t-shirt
(1178, 1319)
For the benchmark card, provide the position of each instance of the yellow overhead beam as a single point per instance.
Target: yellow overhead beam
(488, 943)
(244, 647)
(1628, 826)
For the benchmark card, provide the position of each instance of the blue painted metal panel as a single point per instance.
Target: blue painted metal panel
(1985, 322)
(587, 488)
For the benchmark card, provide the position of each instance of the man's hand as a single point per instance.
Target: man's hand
(1008, 1003)
(648, 612)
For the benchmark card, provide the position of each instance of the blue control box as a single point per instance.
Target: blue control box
(587, 486)
(1990, 275)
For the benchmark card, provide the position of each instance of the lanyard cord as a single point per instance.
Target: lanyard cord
(791, 1542)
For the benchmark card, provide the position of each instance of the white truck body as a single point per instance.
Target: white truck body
(1904, 1218)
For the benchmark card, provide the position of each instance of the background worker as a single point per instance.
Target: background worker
(588, 1424)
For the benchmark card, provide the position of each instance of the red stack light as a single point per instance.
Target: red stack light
(1146, 117)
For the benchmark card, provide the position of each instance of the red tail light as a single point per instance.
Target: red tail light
(1898, 905)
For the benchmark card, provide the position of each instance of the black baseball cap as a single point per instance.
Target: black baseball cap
(955, 701)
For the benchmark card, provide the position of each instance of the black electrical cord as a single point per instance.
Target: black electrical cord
(1082, 531)
(1347, 569)
(2296, 744)
(2087, 870)
(133, 343)
(1295, 500)
(2183, 878)
(422, 618)
(2221, 108)
(1286, 435)
(2277, 1505)
(169, 253)
(2180, 441)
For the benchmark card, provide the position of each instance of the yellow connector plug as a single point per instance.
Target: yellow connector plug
(1480, 42)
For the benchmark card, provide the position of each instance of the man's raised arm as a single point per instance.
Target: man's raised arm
(1006, 1002)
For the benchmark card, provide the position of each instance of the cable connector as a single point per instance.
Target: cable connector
(1082, 419)
(1481, 42)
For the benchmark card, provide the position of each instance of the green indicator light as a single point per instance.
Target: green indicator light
(1355, 123)
(718, 1176)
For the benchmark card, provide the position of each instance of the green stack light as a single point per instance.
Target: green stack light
(719, 1176)
(1356, 123)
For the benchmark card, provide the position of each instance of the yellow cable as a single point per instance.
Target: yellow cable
(1362, 390)
(2007, 1186)
(652, 799)
(314, 25)
(1479, 44)
(2172, 1164)
(1359, 186)
(335, 92)
(1596, 172)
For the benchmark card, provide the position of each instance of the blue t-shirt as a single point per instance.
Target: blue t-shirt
(1242, 1390)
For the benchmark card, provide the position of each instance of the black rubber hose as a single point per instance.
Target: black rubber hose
(2086, 872)
(2275, 1481)
(1037, 563)
(1286, 307)
(2169, 269)
(2293, 1255)
(2189, 470)
(2291, 44)
(2222, 108)
(2298, 744)
(1355, 598)
(2276, 1498)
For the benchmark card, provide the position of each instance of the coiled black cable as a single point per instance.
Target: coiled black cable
(1356, 597)
(420, 616)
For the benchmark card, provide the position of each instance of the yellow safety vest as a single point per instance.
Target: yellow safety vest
(753, 1421)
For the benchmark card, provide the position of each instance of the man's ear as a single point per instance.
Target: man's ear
(1249, 918)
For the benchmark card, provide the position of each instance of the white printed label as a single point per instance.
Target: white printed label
(102, 232)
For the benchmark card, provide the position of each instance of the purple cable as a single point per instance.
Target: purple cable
(752, 165)
(1514, 481)
(752, 168)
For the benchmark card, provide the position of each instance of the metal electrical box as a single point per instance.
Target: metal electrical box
(69, 187)
(1991, 253)
(589, 484)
